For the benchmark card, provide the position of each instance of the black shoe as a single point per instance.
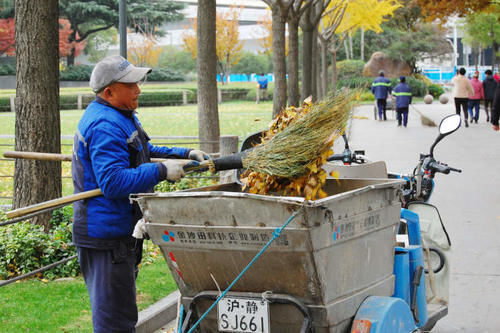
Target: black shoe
(466, 123)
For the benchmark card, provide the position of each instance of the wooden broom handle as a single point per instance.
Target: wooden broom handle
(28, 155)
(53, 203)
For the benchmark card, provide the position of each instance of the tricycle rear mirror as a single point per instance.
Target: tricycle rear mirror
(449, 124)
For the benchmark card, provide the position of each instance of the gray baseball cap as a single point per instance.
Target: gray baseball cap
(115, 69)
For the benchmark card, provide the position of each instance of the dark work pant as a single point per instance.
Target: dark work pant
(381, 105)
(487, 107)
(110, 278)
(463, 102)
(402, 113)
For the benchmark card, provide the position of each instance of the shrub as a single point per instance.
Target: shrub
(348, 69)
(165, 74)
(182, 61)
(355, 82)
(70, 102)
(230, 94)
(367, 96)
(76, 73)
(7, 69)
(25, 247)
(196, 180)
(436, 90)
(417, 86)
(165, 97)
(252, 63)
(4, 103)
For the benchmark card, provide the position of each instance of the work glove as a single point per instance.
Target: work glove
(198, 155)
(175, 168)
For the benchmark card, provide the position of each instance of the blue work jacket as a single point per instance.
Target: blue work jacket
(403, 95)
(111, 152)
(262, 81)
(381, 87)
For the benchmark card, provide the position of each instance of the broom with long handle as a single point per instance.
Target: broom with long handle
(287, 154)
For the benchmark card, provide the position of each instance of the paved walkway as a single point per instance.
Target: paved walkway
(469, 203)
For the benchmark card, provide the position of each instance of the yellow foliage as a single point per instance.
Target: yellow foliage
(309, 185)
(228, 46)
(143, 51)
(266, 42)
(349, 15)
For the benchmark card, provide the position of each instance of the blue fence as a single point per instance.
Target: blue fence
(443, 75)
(244, 78)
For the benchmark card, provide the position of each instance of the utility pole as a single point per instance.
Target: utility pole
(122, 27)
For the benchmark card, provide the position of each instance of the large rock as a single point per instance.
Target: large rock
(392, 68)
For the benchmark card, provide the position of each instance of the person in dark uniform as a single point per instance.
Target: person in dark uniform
(112, 152)
(403, 100)
(381, 88)
(489, 86)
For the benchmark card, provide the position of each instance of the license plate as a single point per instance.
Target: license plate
(243, 315)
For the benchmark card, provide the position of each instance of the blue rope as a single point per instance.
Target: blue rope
(181, 312)
(276, 234)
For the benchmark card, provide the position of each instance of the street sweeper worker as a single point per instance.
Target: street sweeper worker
(111, 151)
(381, 88)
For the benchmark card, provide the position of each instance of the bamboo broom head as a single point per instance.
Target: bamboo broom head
(289, 152)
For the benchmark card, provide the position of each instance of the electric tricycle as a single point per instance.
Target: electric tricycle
(351, 262)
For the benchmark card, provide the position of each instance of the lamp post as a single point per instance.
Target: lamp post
(122, 27)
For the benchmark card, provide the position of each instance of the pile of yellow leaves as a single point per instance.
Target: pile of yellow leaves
(310, 184)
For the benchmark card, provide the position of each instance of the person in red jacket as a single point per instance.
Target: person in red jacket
(496, 77)
(475, 99)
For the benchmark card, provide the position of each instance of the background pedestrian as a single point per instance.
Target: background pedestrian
(403, 100)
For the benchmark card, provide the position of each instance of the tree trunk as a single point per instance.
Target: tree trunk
(351, 52)
(37, 103)
(319, 83)
(293, 62)
(307, 48)
(334, 68)
(324, 66)
(314, 69)
(362, 57)
(347, 55)
(279, 62)
(208, 113)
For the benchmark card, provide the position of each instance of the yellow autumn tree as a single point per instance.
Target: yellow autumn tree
(343, 17)
(144, 51)
(266, 42)
(228, 46)
(366, 15)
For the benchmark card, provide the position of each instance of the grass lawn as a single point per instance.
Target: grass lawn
(63, 306)
(235, 118)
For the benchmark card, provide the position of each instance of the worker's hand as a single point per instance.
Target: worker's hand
(198, 155)
(175, 168)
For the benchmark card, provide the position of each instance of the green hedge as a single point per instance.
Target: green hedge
(83, 72)
(4, 103)
(347, 69)
(7, 69)
(418, 88)
(153, 97)
(76, 73)
(436, 90)
(25, 247)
